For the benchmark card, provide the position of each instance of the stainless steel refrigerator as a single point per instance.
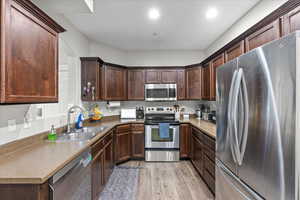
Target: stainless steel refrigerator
(258, 123)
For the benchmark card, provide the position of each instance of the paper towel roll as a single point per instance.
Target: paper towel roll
(111, 104)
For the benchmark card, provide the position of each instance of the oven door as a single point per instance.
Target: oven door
(160, 92)
(154, 141)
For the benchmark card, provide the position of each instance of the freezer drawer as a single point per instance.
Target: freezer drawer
(228, 186)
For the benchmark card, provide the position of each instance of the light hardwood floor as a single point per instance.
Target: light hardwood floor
(170, 181)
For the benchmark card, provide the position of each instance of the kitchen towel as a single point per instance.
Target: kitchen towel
(164, 130)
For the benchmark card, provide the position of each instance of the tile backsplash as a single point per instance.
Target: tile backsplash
(189, 106)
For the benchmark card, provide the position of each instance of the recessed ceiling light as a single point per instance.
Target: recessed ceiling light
(153, 14)
(211, 13)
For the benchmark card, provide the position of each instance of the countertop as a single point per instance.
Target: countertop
(36, 163)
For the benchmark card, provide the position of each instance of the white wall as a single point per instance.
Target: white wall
(164, 58)
(108, 54)
(257, 13)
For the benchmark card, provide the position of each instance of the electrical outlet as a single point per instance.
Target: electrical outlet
(39, 112)
(12, 125)
(27, 123)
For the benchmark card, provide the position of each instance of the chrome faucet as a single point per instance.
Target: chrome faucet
(70, 111)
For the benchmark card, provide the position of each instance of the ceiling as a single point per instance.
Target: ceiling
(124, 24)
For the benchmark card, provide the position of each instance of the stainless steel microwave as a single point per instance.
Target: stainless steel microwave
(160, 92)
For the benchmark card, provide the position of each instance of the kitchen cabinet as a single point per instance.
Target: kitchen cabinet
(205, 82)
(91, 79)
(25, 191)
(153, 76)
(29, 54)
(215, 63)
(197, 151)
(264, 35)
(193, 83)
(97, 175)
(235, 51)
(291, 21)
(123, 143)
(102, 164)
(169, 76)
(114, 82)
(136, 82)
(181, 88)
(203, 156)
(185, 140)
(138, 141)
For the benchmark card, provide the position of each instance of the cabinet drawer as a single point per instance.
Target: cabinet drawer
(210, 153)
(209, 142)
(137, 127)
(198, 134)
(123, 128)
(210, 181)
(209, 166)
(97, 147)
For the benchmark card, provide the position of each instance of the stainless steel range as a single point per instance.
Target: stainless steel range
(157, 147)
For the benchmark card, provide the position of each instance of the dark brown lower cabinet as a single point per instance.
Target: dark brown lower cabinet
(203, 157)
(102, 165)
(185, 140)
(123, 143)
(24, 191)
(138, 141)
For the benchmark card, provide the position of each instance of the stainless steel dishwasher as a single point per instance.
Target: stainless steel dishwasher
(73, 182)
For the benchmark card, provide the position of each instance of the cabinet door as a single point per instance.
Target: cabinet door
(168, 76)
(264, 35)
(136, 84)
(291, 21)
(123, 146)
(115, 85)
(215, 63)
(90, 79)
(185, 139)
(108, 160)
(181, 86)
(30, 67)
(206, 82)
(193, 80)
(138, 144)
(153, 76)
(235, 51)
(97, 175)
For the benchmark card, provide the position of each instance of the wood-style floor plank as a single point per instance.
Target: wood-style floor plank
(170, 181)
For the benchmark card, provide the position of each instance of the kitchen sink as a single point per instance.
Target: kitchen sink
(87, 133)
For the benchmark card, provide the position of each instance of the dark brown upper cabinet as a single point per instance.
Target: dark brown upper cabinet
(206, 82)
(91, 79)
(193, 83)
(215, 63)
(114, 82)
(29, 54)
(169, 76)
(136, 82)
(235, 51)
(264, 35)
(291, 21)
(153, 76)
(181, 89)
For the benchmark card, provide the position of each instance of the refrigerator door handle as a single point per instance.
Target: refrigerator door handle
(229, 115)
(246, 117)
(234, 117)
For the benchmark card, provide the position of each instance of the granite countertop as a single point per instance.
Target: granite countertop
(36, 163)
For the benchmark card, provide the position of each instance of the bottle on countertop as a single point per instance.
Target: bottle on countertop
(52, 134)
(79, 121)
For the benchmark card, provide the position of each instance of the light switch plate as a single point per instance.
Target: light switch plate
(39, 112)
(12, 125)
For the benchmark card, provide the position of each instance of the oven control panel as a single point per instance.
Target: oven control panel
(160, 110)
